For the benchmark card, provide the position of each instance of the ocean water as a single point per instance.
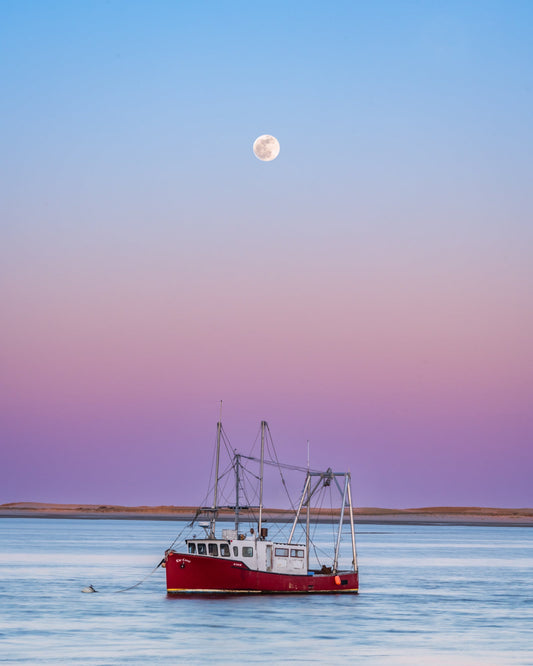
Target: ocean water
(430, 595)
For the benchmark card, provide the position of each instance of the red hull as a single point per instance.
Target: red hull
(197, 573)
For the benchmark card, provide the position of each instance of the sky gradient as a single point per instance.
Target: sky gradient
(370, 290)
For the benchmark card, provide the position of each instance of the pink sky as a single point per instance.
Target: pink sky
(370, 290)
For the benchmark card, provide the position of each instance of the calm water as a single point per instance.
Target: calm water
(429, 595)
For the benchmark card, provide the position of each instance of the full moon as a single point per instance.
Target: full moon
(266, 148)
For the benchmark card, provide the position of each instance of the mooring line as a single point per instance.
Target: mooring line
(141, 581)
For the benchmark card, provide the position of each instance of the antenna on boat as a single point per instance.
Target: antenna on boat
(217, 460)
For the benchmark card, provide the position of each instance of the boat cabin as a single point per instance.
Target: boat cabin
(256, 553)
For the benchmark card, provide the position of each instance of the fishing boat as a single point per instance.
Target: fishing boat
(239, 561)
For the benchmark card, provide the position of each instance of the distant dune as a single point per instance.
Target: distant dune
(454, 515)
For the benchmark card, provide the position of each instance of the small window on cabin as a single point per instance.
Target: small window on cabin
(235, 551)
(224, 550)
(202, 550)
(247, 551)
(213, 549)
(281, 552)
(296, 552)
(192, 548)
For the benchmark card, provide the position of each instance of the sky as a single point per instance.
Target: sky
(370, 291)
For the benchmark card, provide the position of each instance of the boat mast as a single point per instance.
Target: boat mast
(237, 481)
(308, 513)
(308, 522)
(354, 551)
(263, 428)
(215, 494)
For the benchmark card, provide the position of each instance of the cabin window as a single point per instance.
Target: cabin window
(192, 548)
(235, 551)
(202, 550)
(247, 551)
(224, 550)
(213, 549)
(296, 552)
(281, 552)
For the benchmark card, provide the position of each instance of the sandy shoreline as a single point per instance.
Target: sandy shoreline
(421, 516)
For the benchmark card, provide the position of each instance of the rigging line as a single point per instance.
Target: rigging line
(319, 507)
(223, 491)
(246, 469)
(279, 468)
(225, 473)
(333, 535)
(295, 468)
(316, 549)
(187, 526)
(211, 487)
(246, 497)
(255, 442)
(246, 492)
(280, 528)
(231, 469)
(248, 473)
(211, 471)
(227, 442)
(334, 526)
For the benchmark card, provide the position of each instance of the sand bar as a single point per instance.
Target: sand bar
(422, 516)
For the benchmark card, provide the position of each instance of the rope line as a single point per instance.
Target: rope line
(141, 581)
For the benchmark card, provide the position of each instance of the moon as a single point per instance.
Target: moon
(266, 148)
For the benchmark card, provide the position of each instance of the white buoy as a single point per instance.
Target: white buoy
(89, 589)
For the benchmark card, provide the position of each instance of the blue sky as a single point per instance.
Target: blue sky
(377, 273)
